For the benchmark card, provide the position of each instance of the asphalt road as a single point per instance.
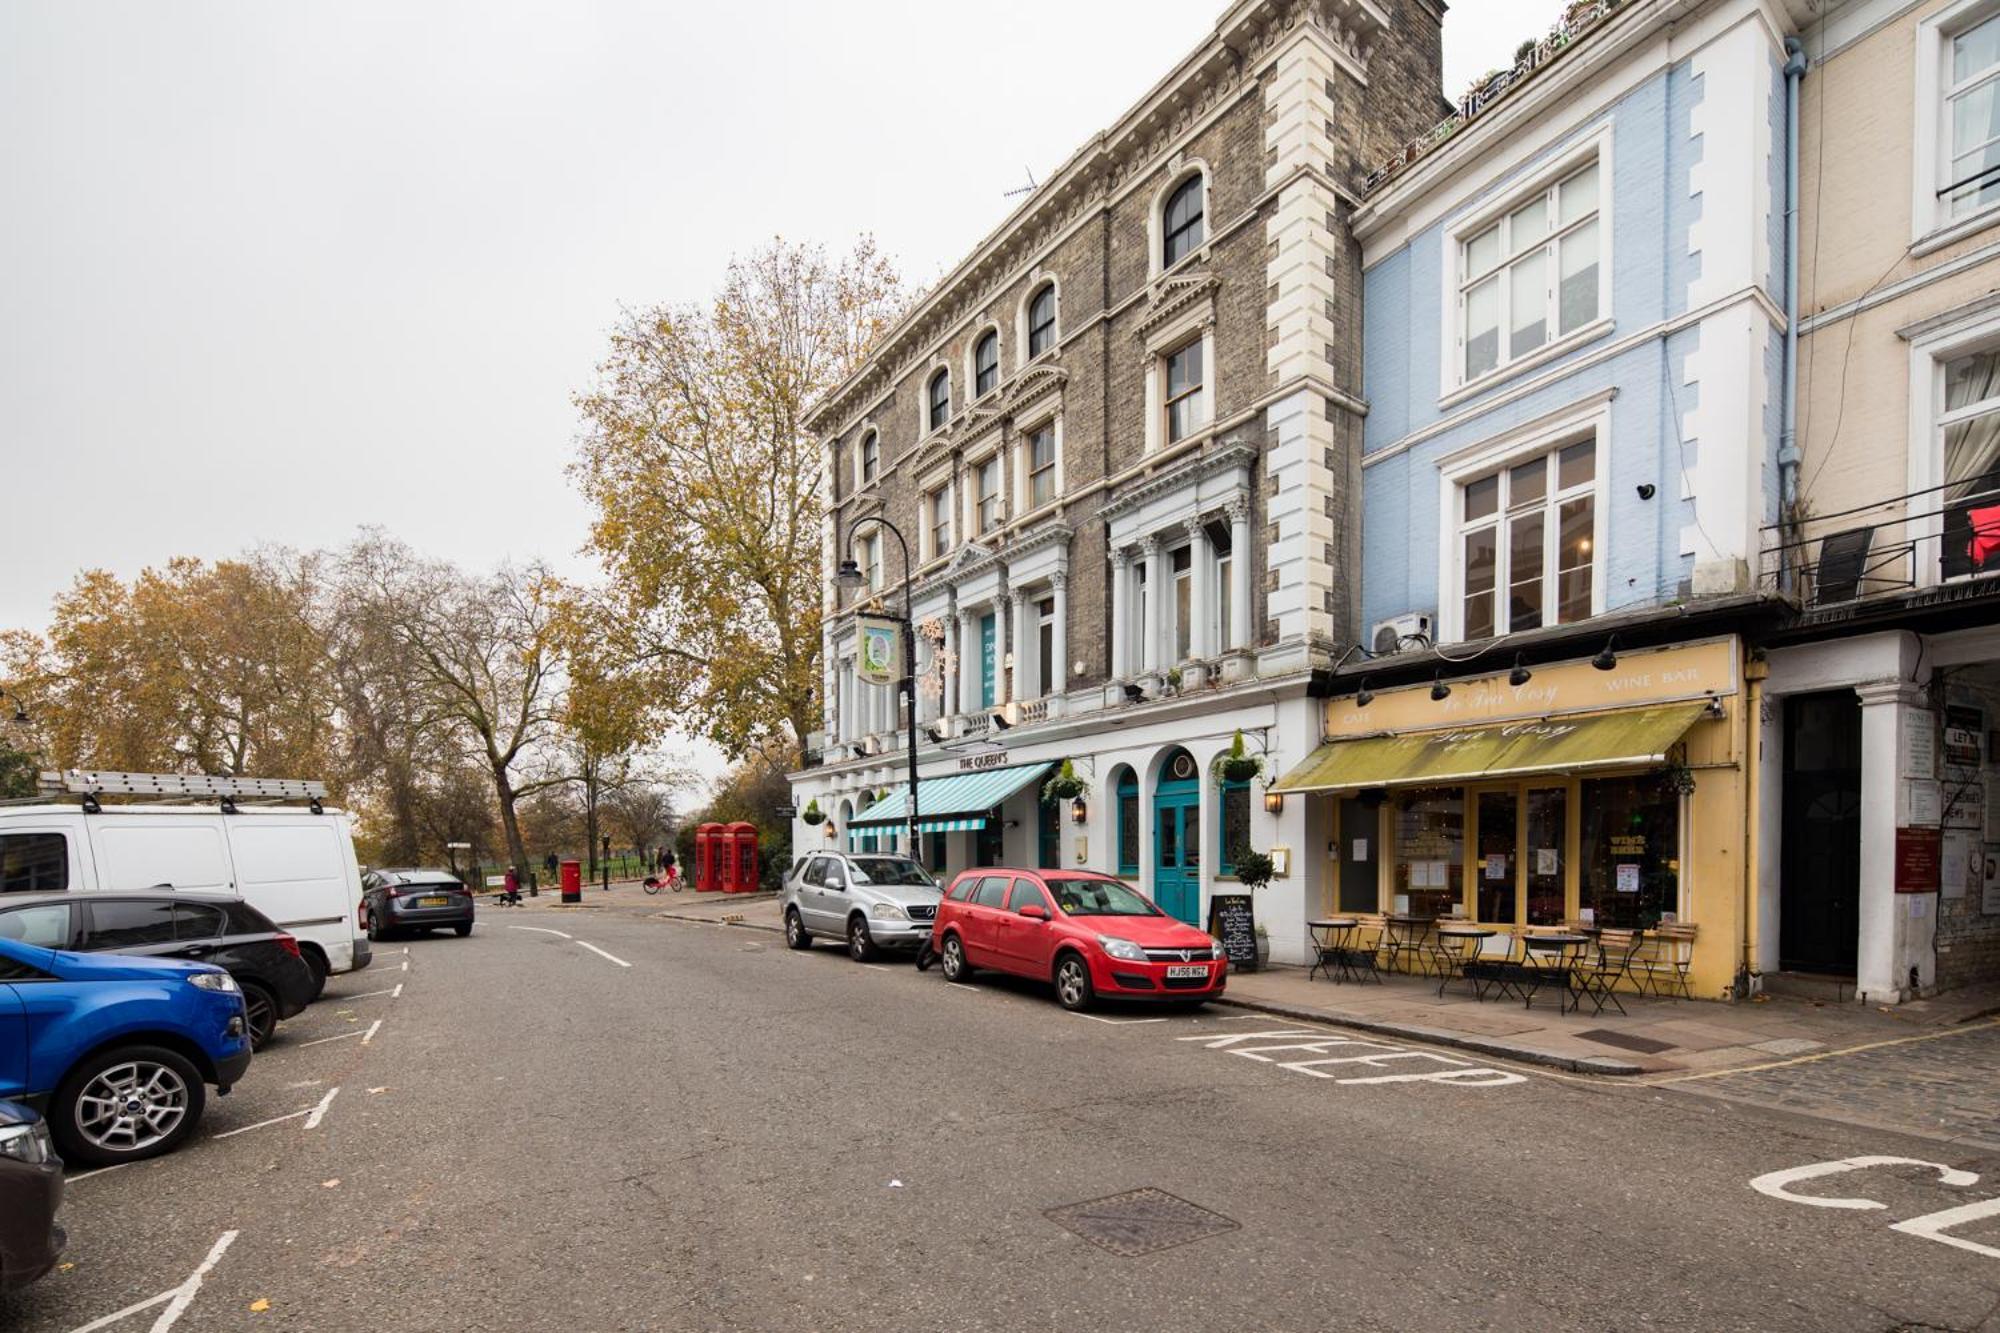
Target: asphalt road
(704, 1131)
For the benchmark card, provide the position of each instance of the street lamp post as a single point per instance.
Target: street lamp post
(850, 576)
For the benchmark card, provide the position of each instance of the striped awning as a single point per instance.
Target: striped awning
(954, 804)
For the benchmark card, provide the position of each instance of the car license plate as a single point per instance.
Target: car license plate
(1177, 971)
(433, 902)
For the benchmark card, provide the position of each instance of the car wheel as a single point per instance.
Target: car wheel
(956, 968)
(1073, 983)
(860, 944)
(462, 931)
(260, 1008)
(126, 1104)
(795, 931)
(317, 966)
(376, 933)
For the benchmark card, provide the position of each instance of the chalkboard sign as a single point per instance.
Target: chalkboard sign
(1232, 918)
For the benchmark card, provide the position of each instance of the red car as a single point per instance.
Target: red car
(1089, 934)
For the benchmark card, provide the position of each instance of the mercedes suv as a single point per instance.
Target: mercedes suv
(871, 901)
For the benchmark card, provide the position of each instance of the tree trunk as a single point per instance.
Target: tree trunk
(503, 789)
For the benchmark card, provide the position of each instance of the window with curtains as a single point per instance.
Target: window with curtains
(986, 365)
(1531, 276)
(1970, 430)
(1128, 823)
(1042, 321)
(1970, 125)
(1527, 543)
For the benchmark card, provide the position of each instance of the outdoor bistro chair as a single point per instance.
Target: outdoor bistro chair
(1664, 964)
(1599, 971)
(1356, 953)
(1548, 958)
(1403, 943)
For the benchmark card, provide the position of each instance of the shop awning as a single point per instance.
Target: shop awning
(953, 804)
(1633, 737)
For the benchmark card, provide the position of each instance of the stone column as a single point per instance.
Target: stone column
(1887, 708)
(1201, 570)
(948, 699)
(1121, 614)
(1059, 635)
(1239, 573)
(1021, 679)
(1003, 682)
(968, 660)
(1149, 648)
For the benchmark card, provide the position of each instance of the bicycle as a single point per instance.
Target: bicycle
(672, 880)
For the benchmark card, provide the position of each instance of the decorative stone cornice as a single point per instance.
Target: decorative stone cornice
(1089, 182)
(1231, 454)
(1033, 385)
(1173, 296)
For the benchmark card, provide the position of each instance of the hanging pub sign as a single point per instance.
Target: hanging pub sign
(880, 658)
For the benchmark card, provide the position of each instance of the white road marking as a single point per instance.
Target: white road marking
(263, 1124)
(1932, 1226)
(369, 1035)
(406, 965)
(371, 994)
(542, 930)
(319, 1112)
(600, 953)
(397, 993)
(960, 985)
(1374, 1055)
(86, 1175)
(320, 1041)
(1118, 1022)
(1777, 1183)
(176, 1299)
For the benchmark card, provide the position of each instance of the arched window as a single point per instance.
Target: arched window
(871, 458)
(1042, 321)
(1128, 823)
(1182, 223)
(1234, 839)
(940, 400)
(986, 365)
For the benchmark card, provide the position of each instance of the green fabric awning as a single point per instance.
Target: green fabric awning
(960, 801)
(1633, 737)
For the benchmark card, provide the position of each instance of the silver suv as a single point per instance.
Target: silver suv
(872, 901)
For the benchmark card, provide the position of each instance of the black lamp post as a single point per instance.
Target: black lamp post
(851, 577)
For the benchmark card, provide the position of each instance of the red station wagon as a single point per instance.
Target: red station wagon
(1088, 934)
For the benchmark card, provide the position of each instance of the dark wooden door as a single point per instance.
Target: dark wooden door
(1820, 866)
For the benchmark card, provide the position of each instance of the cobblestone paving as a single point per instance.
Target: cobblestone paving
(1949, 1086)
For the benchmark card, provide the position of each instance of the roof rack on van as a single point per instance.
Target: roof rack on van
(92, 783)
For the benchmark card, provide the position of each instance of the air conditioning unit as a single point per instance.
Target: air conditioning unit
(1412, 629)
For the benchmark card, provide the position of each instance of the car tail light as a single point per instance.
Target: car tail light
(290, 944)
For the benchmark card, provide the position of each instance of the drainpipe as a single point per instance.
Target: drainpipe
(1788, 441)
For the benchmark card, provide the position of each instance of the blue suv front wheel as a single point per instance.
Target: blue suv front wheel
(125, 1104)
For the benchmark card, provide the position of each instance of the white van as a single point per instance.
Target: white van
(294, 865)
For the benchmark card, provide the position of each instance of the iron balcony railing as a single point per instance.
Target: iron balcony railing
(1941, 535)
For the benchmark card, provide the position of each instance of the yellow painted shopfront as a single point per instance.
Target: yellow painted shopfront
(1608, 791)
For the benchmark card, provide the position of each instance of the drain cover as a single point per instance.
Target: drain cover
(1140, 1222)
(1625, 1041)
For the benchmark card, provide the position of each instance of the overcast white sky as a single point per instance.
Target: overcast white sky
(272, 270)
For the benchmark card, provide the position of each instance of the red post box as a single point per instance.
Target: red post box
(572, 881)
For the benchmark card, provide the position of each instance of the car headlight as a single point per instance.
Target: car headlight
(1215, 949)
(218, 981)
(891, 912)
(1124, 950)
(27, 1143)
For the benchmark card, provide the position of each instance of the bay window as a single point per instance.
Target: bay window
(1527, 543)
(1531, 276)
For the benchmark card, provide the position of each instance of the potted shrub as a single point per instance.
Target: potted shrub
(1173, 680)
(812, 814)
(1065, 785)
(1263, 948)
(1239, 765)
(1254, 870)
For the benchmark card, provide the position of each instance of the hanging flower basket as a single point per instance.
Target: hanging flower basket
(1239, 765)
(1677, 779)
(1065, 785)
(812, 813)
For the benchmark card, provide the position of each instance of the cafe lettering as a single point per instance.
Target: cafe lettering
(1581, 798)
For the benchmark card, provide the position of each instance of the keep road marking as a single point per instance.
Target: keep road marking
(1931, 1226)
(1336, 1056)
(601, 954)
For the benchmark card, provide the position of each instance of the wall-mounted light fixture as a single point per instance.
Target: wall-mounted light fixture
(1520, 675)
(1079, 811)
(1364, 696)
(1607, 660)
(1274, 801)
(1439, 690)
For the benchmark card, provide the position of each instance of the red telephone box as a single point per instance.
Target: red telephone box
(708, 853)
(741, 876)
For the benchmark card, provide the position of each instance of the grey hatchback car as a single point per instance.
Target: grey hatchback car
(873, 901)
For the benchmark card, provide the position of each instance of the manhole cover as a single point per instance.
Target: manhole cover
(1625, 1041)
(1140, 1222)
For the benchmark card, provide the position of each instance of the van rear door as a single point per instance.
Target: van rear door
(293, 870)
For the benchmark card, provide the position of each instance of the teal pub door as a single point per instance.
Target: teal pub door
(1177, 839)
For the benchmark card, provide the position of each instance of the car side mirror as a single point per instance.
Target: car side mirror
(1035, 912)
(836, 882)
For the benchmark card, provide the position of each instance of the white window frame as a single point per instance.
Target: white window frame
(1156, 219)
(1589, 420)
(1929, 354)
(1024, 333)
(924, 427)
(1454, 386)
(1931, 225)
(976, 497)
(938, 489)
(1042, 664)
(1027, 503)
(1200, 415)
(1171, 624)
(972, 363)
(862, 481)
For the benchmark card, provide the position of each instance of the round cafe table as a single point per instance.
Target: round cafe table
(1458, 968)
(1331, 936)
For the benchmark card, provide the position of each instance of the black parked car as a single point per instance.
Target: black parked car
(31, 1187)
(419, 900)
(227, 932)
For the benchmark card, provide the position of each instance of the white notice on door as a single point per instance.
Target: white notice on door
(1547, 862)
(1628, 878)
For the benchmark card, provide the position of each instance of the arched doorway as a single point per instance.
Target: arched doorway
(1177, 836)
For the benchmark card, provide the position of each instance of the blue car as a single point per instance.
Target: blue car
(116, 1050)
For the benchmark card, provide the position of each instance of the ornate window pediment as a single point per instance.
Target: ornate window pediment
(1176, 295)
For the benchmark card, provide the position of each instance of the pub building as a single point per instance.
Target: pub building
(1609, 791)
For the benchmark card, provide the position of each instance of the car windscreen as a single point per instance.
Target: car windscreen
(890, 870)
(1099, 897)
